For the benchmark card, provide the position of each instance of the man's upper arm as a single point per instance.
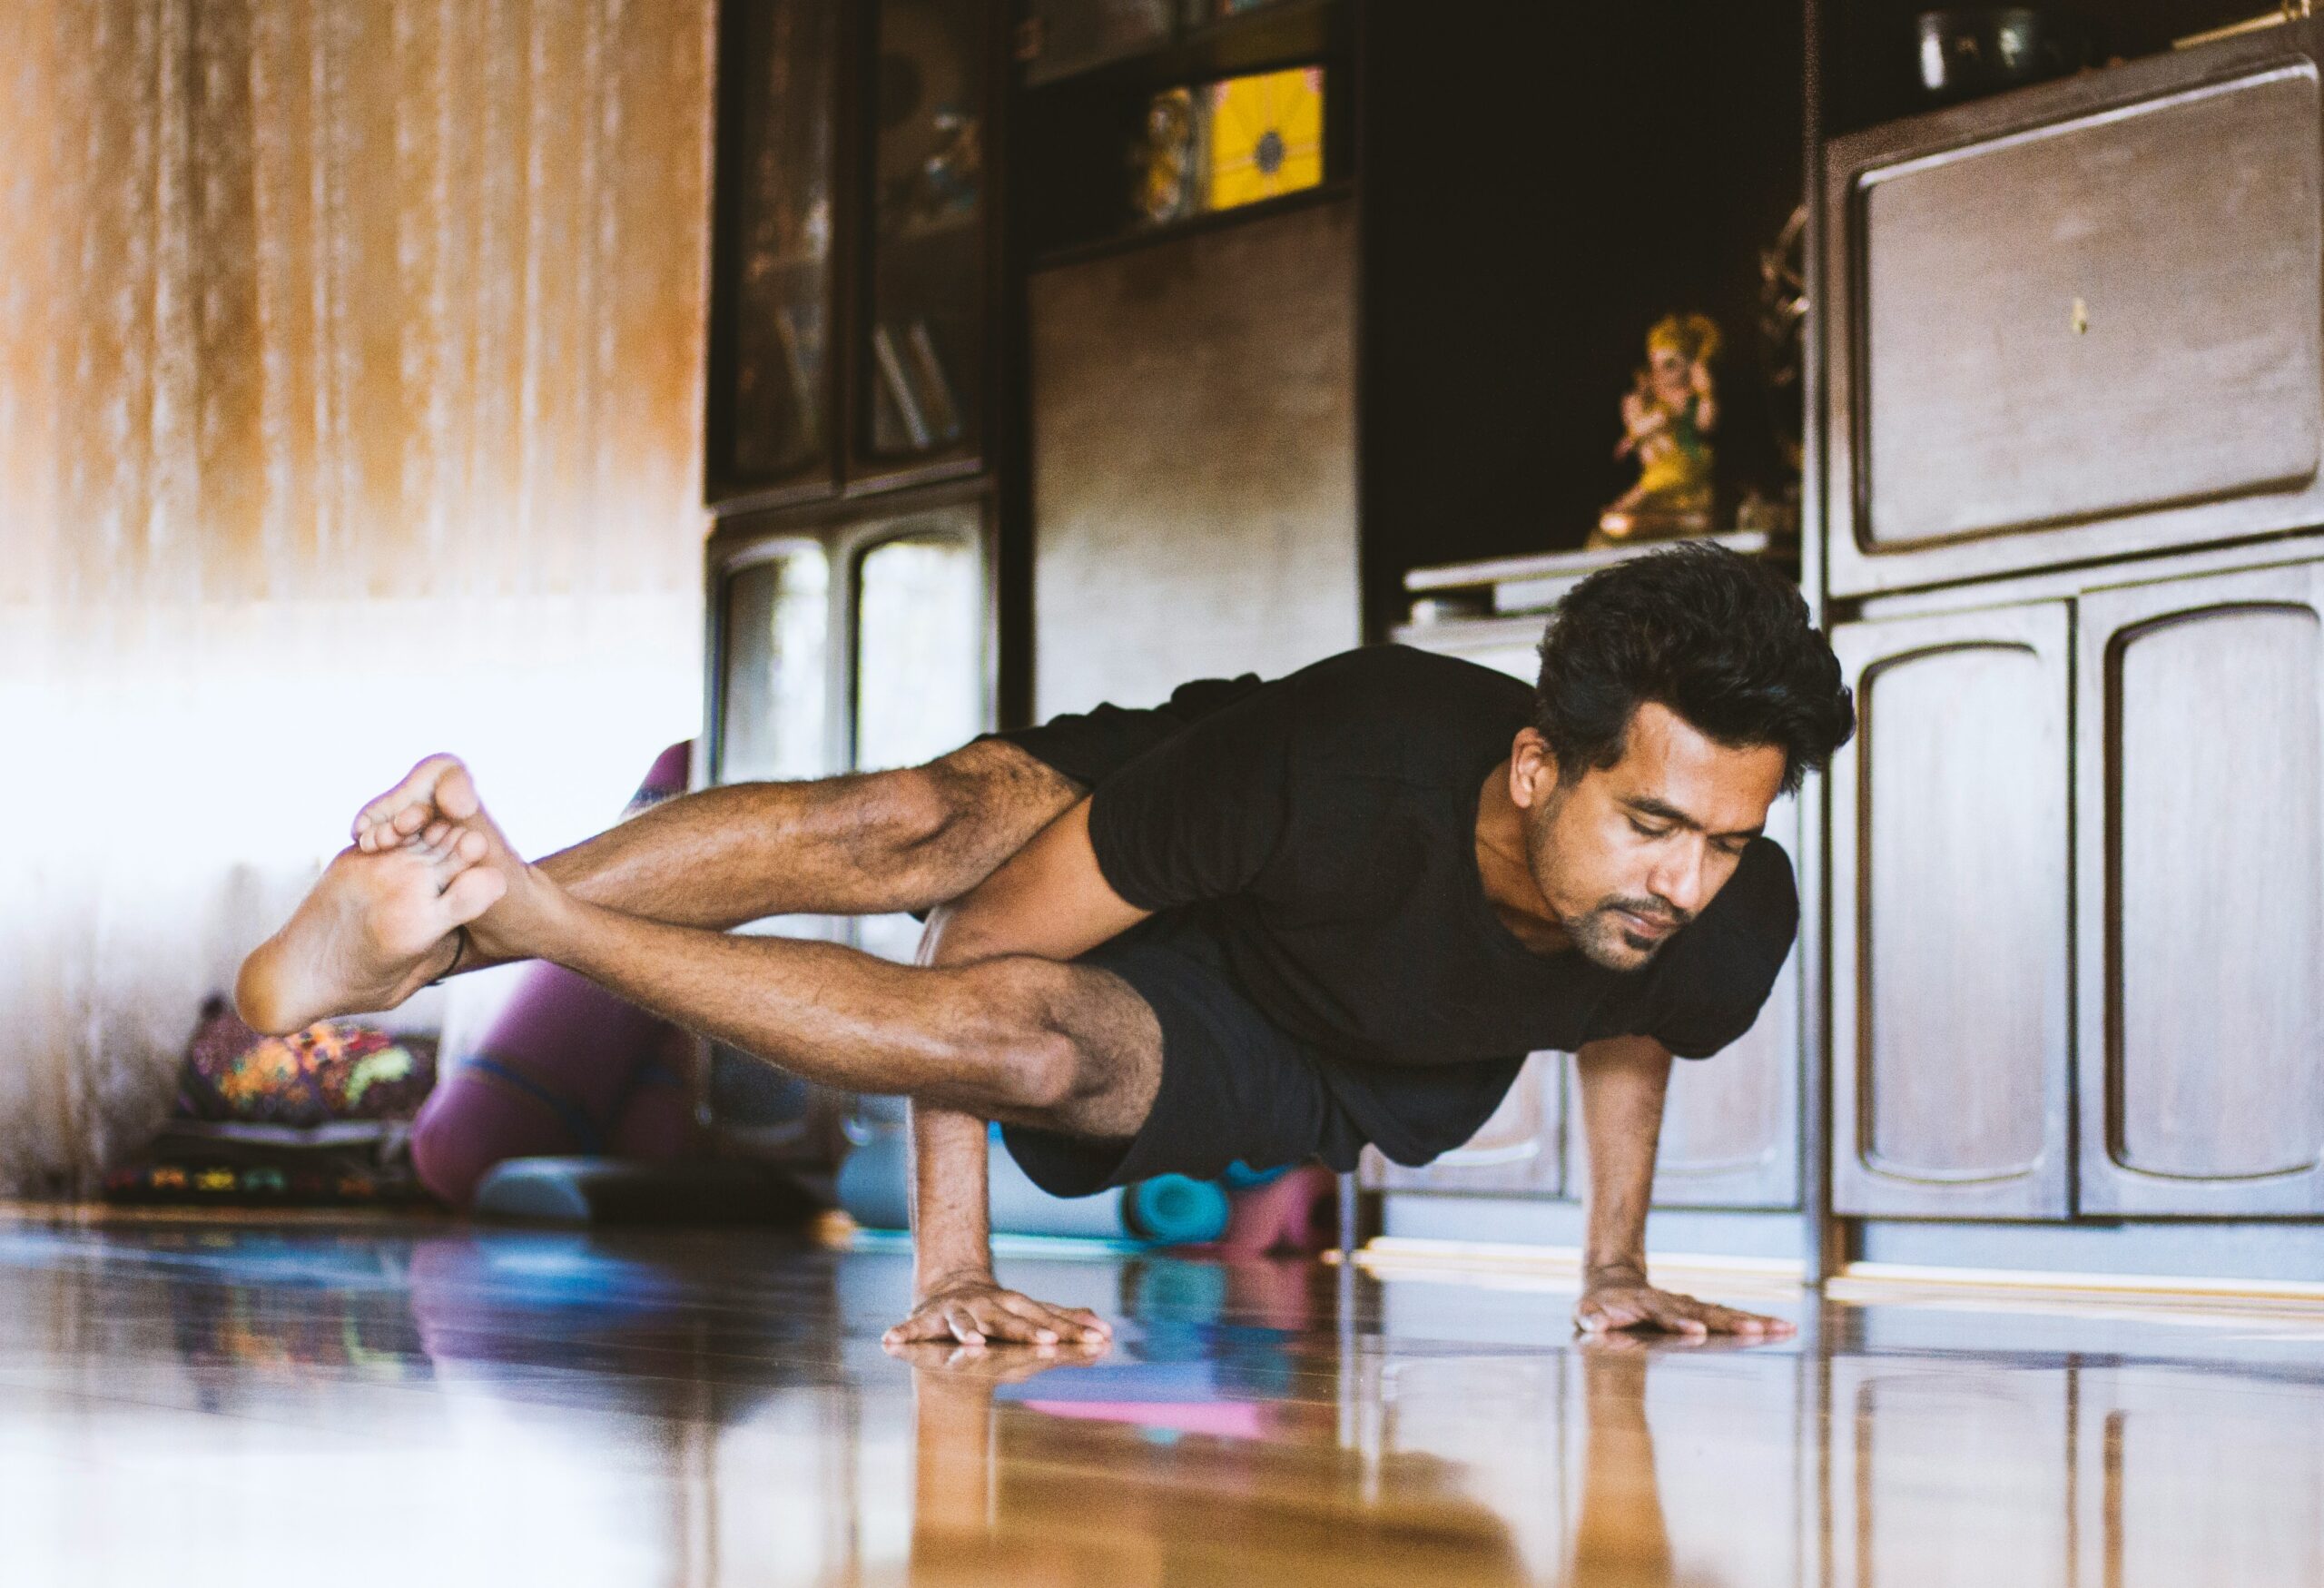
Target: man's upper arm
(1047, 899)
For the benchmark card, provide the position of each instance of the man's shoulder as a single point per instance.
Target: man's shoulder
(1386, 698)
(1759, 906)
(1708, 988)
(1397, 667)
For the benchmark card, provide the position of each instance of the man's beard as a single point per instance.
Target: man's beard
(1598, 933)
(1605, 939)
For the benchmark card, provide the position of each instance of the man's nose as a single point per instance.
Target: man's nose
(1682, 880)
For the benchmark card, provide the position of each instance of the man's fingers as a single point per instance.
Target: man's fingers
(1060, 1323)
(919, 1328)
(1045, 1326)
(1680, 1314)
(1735, 1321)
(1599, 1316)
(1091, 1325)
(1020, 1321)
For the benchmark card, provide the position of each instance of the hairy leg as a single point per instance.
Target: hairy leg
(858, 844)
(369, 932)
(851, 846)
(1019, 1038)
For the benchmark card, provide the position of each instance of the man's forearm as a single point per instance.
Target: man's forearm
(951, 1223)
(1623, 1083)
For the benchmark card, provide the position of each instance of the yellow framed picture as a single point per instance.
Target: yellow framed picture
(1266, 136)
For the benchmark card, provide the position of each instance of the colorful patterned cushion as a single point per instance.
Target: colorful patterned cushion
(334, 1069)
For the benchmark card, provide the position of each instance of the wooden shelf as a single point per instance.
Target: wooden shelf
(1282, 33)
(1329, 193)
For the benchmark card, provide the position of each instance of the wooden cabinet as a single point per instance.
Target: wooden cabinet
(1521, 1148)
(922, 308)
(773, 407)
(2179, 740)
(851, 279)
(1950, 954)
(2200, 744)
(2081, 322)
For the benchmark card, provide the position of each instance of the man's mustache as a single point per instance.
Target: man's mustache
(1654, 912)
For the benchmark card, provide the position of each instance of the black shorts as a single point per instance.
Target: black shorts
(1235, 1086)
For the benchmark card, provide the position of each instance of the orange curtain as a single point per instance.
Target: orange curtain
(349, 408)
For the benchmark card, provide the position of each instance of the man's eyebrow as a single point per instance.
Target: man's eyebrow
(1648, 806)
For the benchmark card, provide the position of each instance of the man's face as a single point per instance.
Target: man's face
(1626, 854)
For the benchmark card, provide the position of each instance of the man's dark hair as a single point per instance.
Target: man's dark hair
(1719, 639)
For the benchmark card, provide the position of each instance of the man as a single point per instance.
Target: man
(1264, 922)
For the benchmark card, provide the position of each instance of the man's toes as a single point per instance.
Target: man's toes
(437, 785)
(456, 793)
(471, 893)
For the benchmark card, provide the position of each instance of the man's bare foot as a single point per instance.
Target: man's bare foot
(376, 928)
(438, 789)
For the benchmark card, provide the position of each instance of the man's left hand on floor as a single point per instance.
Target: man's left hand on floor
(1635, 1304)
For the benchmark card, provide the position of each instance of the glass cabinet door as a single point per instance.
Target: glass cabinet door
(920, 664)
(921, 354)
(779, 381)
(920, 672)
(774, 699)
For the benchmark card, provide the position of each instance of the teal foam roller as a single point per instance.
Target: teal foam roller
(1175, 1210)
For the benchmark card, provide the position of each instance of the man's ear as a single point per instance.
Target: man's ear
(1533, 769)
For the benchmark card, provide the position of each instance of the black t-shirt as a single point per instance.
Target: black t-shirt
(1330, 816)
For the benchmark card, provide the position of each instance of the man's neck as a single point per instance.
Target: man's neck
(1510, 887)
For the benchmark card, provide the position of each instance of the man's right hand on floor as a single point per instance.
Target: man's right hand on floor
(975, 1310)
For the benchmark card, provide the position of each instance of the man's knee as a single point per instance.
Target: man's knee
(1053, 1048)
(971, 810)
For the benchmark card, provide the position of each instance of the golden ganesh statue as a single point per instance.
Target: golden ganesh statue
(1667, 422)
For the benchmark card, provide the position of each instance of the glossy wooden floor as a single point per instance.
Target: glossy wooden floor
(423, 1406)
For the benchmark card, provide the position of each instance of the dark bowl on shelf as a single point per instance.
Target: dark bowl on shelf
(1968, 51)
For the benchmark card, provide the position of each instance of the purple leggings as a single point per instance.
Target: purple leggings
(566, 1069)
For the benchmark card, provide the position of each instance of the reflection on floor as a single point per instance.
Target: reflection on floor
(426, 1404)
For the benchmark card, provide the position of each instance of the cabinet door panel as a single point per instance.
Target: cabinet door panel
(771, 420)
(919, 355)
(2158, 343)
(2203, 784)
(2078, 321)
(1950, 886)
(1520, 1148)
